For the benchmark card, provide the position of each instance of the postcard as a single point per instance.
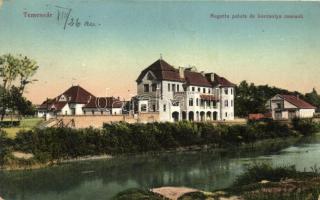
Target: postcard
(109, 99)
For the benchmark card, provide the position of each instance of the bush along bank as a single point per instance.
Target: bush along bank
(54, 144)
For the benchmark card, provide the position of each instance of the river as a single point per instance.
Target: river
(102, 179)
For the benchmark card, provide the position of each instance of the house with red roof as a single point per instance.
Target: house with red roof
(179, 93)
(78, 101)
(290, 106)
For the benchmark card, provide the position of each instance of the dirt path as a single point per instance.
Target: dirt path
(173, 193)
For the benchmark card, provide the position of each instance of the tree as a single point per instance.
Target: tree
(313, 98)
(16, 73)
(253, 99)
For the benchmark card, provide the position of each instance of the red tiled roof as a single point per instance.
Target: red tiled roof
(104, 102)
(57, 105)
(196, 78)
(52, 105)
(219, 80)
(162, 70)
(296, 101)
(74, 94)
(77, 94)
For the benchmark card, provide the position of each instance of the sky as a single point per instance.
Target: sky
(127, 36)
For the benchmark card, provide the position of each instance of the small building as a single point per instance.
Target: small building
(285, 107)
(78, 101)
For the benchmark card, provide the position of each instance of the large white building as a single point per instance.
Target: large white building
(289, 106)
(184, 93)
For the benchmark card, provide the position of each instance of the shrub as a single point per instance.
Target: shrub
(137, 194)
(305, 126)
(258, 172)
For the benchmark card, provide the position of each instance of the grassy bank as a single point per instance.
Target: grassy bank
(25, 124)
(54, 144)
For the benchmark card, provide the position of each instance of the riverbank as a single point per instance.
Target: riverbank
(258, 182)
(203, 170)
(258, 147)
(56, 145)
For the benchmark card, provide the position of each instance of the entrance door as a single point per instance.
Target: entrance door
(278, 115)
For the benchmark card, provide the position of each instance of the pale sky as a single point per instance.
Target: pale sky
(131, 35)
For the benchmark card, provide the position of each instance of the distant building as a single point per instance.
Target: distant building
(289, 106)
(78, 101)
(184, 93)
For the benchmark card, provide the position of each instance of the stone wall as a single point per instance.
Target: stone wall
(96, 121)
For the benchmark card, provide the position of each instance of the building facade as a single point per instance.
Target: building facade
(78, 101)
(284, 107)
(184, 93)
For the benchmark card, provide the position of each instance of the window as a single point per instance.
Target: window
(226, 114)
(84, 112)
(209, 91)
(201, 102)
(92, 111)
(154, 87)
(231, 91)
(278, 105)
(143, 107)
(197, 102)
(164, 107)
(154, 108)
(204, 90)
(146, 87)
(169, 87)
(190, 102)
(225, 103)
(226, 90)
(231, 103)
(192, 89)
(178, 88)
(173, 87)
(199, 89)
(101, 112)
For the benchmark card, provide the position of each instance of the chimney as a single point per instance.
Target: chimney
(210, 77)
(181, 72)
(298, 96)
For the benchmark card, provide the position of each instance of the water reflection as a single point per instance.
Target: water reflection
(104, 178)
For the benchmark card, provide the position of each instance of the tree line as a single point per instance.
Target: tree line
(251, 98)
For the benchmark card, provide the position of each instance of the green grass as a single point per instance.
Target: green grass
(25, 124)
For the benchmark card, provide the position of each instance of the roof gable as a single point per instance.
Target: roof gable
(77, 94)
(162, 71)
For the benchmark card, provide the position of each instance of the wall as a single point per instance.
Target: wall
(97, 121)
(306, 113)
(227, 109)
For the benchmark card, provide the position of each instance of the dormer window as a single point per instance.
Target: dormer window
(62, 98)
